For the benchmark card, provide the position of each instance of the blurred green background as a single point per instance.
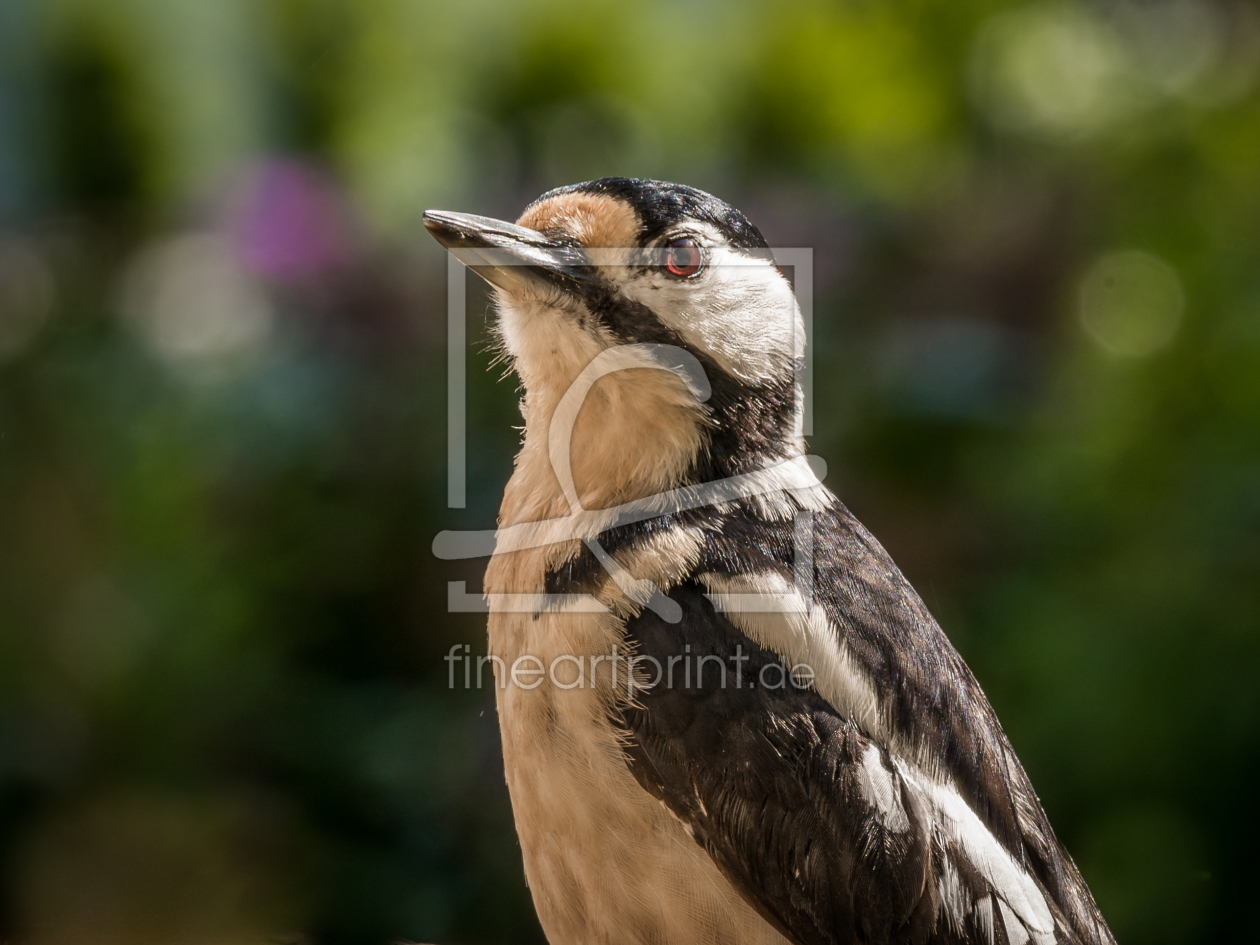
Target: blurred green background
(224, 715)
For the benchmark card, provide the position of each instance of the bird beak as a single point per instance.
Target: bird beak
(510, 257)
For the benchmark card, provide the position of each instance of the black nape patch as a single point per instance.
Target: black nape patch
(661, 204)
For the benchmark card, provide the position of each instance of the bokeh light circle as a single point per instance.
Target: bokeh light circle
(189, 299)
(1131, 303)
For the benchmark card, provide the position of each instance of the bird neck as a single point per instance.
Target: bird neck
(637, 433)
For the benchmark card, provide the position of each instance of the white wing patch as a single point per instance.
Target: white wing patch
(1018, 892)
(955, 903)
(1015, 930)
(801, 634)
(881, 791)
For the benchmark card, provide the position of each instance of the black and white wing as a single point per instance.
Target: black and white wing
(882, 802)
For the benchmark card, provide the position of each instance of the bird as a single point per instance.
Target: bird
(845, 780)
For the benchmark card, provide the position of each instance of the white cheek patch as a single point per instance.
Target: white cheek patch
(740, 311)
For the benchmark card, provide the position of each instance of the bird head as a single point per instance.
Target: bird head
(625, 262)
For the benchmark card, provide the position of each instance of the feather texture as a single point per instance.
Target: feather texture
(883, 802)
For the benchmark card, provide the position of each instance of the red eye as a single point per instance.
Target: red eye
(682, 257)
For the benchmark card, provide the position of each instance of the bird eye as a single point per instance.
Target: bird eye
(683, 258)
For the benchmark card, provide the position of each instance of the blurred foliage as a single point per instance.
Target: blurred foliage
(224, 716)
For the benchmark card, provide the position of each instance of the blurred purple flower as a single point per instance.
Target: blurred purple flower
(289, 221)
